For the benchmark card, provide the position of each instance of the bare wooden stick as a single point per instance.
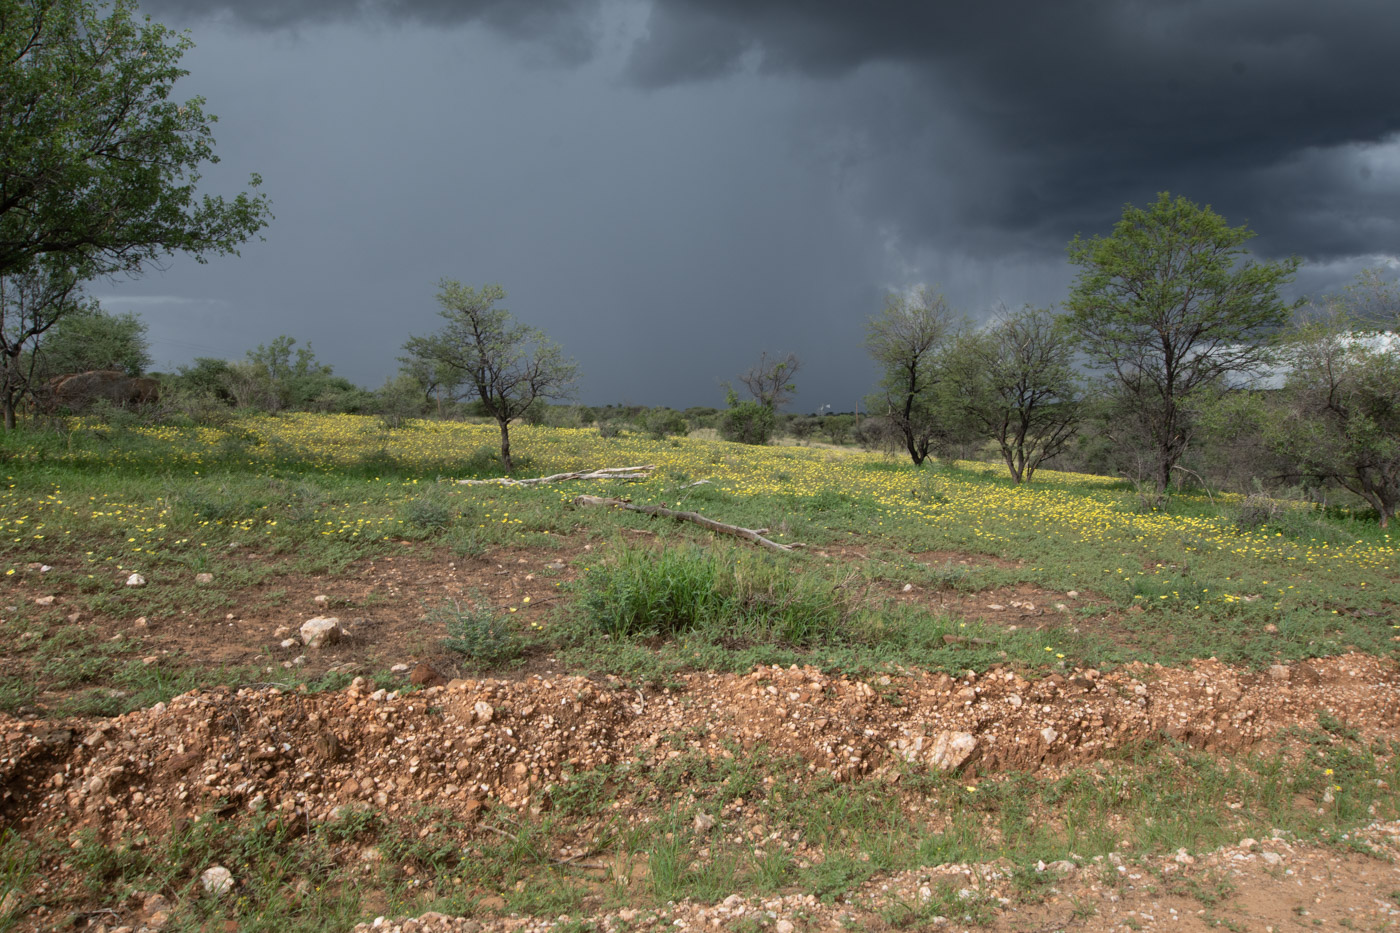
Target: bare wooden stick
(748, 534)
(631, 472)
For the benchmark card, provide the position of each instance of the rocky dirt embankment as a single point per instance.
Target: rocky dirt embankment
(466, 744)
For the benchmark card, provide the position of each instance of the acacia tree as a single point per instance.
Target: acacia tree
(1168, 308)
(770, 381)
(908, 340)
(508, 366)
(1341, 411)
(752, 421)
(1015, 383)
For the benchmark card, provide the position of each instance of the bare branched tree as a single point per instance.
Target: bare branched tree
(770, 381)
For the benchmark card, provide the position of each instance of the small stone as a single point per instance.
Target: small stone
(142, 622)
(1049, 735)
(150, 659)
(784, 926)
(398, 669)
(203, 578)
(1073, 594)
(1272, 858)
(907, 588)
(704, 822)
(299, 660)
(425, 675)
(951, 749)
(484, 711)
(43, 600)
(321, 631)
(289, 643)
(1248, 842)
(74, 618)
(995, 607)
(217, 881)
(136, 580)
(1278, 671)
(1271, 628)
(322, 600)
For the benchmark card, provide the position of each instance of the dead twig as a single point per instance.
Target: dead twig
(748, 534)
(629, 472)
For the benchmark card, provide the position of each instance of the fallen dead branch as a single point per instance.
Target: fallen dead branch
(629, 472)
(748, 534)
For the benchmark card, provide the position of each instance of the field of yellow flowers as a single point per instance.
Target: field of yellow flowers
(287, 483)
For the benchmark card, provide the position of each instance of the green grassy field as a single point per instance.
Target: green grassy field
(901, 569)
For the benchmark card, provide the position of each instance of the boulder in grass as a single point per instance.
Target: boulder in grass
(321, 632)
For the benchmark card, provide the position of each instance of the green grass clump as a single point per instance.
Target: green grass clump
(662, 593)
(476, 631)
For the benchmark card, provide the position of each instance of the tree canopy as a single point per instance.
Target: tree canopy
(99, 167)
(908, 340)
(1015, 383)
(507, 365)
(1168, 306)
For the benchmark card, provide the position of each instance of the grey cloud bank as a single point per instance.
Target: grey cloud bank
(669, 188)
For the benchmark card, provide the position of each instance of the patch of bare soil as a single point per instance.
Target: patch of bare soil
(380, 603)
(471, 743)
(1263, 885)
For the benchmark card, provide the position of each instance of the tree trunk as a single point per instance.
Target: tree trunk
(9, 410)
(505, 445)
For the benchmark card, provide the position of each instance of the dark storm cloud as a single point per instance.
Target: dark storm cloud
(1071, 109)
(567, 27)
(1015, 124)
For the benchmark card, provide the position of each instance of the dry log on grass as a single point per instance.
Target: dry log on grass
(748, 534)
(630, 472)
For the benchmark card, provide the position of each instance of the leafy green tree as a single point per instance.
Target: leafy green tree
(91, 338)
(908, 340)
(1341, 414)
(100, 166)
(31, 303)
(279, 375)
(1168, 308)
(1015, 383)
(508, 366)
(206, 378)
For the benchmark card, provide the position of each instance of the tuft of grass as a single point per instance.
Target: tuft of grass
(476, 631)
(642, 593)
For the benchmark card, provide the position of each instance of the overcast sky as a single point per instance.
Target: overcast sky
(668, 188)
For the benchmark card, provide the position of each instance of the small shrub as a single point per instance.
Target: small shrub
(1256, 511)
(661, 423)
(476, 631)
(747, 423)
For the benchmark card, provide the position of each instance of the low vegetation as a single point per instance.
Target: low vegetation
(903, 569)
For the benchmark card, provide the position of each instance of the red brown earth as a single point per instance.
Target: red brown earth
(471, 743)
